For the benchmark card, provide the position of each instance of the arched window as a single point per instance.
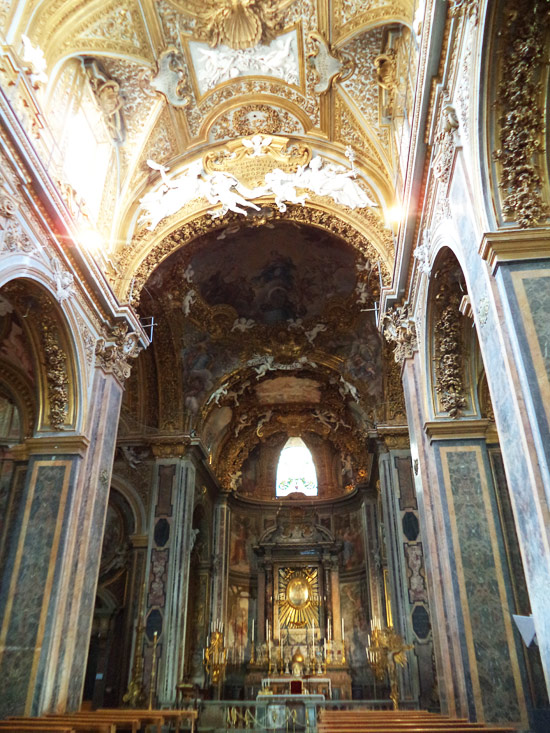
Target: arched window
(296, 470)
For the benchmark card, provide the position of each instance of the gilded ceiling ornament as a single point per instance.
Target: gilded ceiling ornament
(171, 78)
(238, 24)
(329, 67)
(398, 326)
(521, 53)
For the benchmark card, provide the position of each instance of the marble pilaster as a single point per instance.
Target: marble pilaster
(169, 554)
(52, 559)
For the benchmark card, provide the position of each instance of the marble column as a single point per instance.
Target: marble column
(51, 560)
(218, 604)
(169, 554)
(470, 584)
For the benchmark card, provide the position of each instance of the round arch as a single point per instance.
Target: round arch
(53, 352)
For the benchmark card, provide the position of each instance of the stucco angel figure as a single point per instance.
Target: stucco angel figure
(283, 186)
(222, 188)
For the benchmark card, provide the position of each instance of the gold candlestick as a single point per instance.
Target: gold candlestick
(386, 651)
(135, 695)
(153, 671)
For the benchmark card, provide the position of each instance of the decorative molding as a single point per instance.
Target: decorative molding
(446, 140)
(58, 445)
(238, 24)
(457, 429)
(192, 229)
(56, 365)
(114, 357)
(171, 78)
(329, 66)
(521, 128)
(398, 327)
(448, 350)
(497, 248)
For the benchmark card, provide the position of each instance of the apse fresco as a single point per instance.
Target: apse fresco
(244, 534)
(273, 278)
(349, 529)
(289, 389)
(354, 606)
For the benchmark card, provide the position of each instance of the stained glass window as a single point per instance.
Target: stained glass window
(296, 470)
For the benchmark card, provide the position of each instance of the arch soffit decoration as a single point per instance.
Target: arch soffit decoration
(54, 353)
(136, 270)
(449, 355)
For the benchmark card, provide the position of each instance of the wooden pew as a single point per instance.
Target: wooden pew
(170, 716)
(173, 716)
(82, 725)
(35, 726)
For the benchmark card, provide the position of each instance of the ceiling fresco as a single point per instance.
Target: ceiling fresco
(249, 164)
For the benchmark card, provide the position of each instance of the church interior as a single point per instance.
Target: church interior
(275, 358)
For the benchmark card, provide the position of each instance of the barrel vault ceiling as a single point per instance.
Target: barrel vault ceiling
(265, 325)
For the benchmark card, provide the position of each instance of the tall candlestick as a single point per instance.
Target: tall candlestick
(343, 635)
(252, 639)
(313, 636)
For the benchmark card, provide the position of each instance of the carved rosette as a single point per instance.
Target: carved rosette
(113, 353)
(399, 327)
(521, 121)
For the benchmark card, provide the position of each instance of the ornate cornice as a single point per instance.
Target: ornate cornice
(457, 429)
(497, 248)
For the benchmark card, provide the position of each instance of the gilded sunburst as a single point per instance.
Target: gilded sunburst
(298, 597)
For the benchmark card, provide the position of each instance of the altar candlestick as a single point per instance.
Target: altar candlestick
(313, 636)
(252, 639)
(343, 635)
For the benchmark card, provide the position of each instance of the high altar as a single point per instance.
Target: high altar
(299, 647)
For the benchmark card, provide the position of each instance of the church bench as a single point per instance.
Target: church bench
(35, 726)
(84, 725)
(389, 728)
(172, 716)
